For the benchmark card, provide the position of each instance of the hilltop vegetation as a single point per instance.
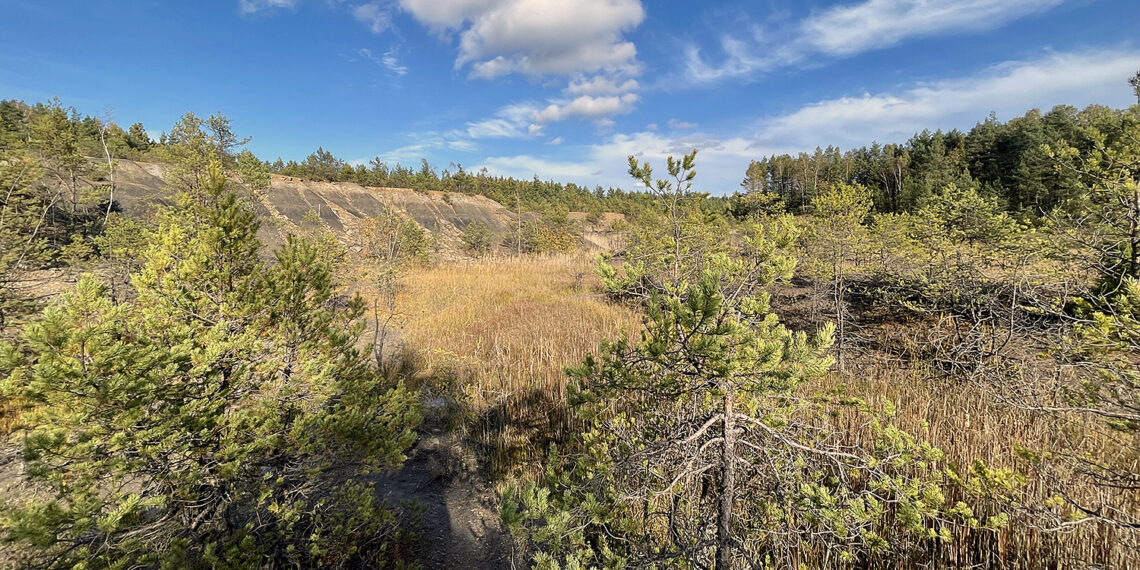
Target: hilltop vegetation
(913, 355)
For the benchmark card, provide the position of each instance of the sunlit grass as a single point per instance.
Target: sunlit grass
(498, 335)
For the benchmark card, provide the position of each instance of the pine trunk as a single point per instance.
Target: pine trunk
(728, 487)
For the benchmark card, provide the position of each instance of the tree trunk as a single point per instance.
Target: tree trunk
(518, 231)
(676, 243)
(1134, 237)
(110, 173)
(728, 486)
(839, 317)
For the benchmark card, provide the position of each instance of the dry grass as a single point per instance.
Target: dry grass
(494, 336)
(969, 425)
(497, 335)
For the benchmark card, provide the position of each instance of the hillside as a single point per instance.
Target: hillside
(342, 206)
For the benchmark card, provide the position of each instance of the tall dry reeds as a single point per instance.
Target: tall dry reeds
(492, 338)
(496, 336)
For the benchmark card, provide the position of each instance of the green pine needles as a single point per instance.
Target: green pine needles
(698, 448)
(224, 419)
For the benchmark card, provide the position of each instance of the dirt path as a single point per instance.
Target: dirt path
(461, 524)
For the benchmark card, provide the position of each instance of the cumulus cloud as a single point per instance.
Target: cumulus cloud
(586, 107)
(442, 15)
(513, 121)
(535, 37)
(254, 6)
(846, 30)
(601, 85)
(522, 120)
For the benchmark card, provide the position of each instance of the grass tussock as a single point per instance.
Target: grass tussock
(970, 426)
(492, 338)
(496, 336)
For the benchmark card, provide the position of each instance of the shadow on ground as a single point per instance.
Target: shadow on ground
(460, 525)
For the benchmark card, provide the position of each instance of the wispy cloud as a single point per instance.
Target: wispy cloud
(847, 30)
(374, 16)
(254, 6)
(1009, 89)
(388, 60)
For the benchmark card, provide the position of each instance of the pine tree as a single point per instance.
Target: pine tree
(1105, 221)
(836, 239)
(477, 239)
(22, 231)
(55, 136)
(697, 449)
(224, 419)
(675, 240)
(254, 173)
(697, 453)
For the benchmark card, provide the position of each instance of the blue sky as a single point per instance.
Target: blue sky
(566, 89)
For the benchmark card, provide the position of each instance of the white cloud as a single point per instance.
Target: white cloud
(581, 40)
(523, 120)
(389, 60)
(605, 163)
(254, 6)
(1009, 89)
(555, 141)
(525, 166)
(461, 145)
(536, 37)
(494, 128)
(372, 15)
(604, 126)
(441, 15)
(512, 121)
(586, 107)
(740, 60)
(681, 125)
(601, 85)
(846, 30)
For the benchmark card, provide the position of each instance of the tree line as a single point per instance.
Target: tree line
(221, 412)
(1004, 160)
